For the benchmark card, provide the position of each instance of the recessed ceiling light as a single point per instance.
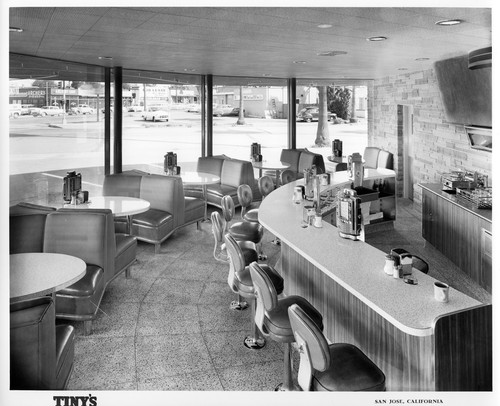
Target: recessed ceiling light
(106, 58)
(331, 53)
(453, 21)
(189, 70)
(376, 38)
(299, 62)
(325, 26)
(422, 59)
(15, 29)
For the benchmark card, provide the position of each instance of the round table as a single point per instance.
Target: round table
(36, 274)
(200, 179)
(119, 205)
(277, 166)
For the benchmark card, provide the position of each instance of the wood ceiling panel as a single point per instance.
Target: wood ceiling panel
(241, 41)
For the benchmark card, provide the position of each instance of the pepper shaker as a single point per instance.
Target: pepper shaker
(397, 272)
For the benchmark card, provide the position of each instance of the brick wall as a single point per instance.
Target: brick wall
(438, 147)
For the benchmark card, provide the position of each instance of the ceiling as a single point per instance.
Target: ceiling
(274, 42)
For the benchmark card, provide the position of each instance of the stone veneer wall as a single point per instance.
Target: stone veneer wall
(438, 146)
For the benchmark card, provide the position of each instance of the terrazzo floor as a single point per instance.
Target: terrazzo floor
(169, 327)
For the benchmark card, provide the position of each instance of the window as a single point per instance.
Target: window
(346, 115)
(60, 128)
(161, 113)
(264, 120)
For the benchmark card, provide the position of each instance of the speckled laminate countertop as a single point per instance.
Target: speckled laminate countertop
(358, 267)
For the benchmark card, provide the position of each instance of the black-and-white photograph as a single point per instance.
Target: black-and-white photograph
(235, 203)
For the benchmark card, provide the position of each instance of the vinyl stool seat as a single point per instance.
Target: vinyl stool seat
(287, 176)
(244, 230)
(248, 249)
(241, 282)
(271, 316)
(266, 185)
(241, 230)
(249, 208)
(330, 367)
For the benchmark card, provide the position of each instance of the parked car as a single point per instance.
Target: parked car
(83, 109)
(194, 108)
(49, 111)
(35, 111)
(156, 114)
(235, 112)
(309, 114)
(14, 110)
(220, 110)
(135, 108)
(26, 109)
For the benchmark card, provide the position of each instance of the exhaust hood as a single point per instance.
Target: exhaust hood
(480, 58)
(466, 93)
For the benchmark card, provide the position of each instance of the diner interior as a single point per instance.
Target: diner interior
(180, 224)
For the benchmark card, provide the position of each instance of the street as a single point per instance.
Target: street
(77, 141)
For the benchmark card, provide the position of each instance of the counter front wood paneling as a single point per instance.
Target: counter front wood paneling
(405, 359)
(394, 323)
(464, 359)
(458, 232)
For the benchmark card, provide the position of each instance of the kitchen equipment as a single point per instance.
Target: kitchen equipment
(480, 198)
(356, 169)
(463, 180)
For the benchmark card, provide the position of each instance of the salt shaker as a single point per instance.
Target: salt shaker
(389, 264)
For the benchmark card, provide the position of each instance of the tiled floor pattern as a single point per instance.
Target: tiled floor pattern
(169, 326)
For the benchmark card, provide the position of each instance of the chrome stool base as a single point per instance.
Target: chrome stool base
(254, 343)
(236, 305)
(281, 388)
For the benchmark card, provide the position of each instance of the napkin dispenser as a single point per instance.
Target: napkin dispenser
(72, 185)
(170, 164)
(403, 258)
(255, 152)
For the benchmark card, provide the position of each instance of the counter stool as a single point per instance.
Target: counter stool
(240, 282)
(249, 208)
(248, 249)
(287, 176)
(330, 367)
(271, 316)
(242, 230)
(266, 185)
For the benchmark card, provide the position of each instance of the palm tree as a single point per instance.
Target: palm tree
(241, 115)
(322, 133)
